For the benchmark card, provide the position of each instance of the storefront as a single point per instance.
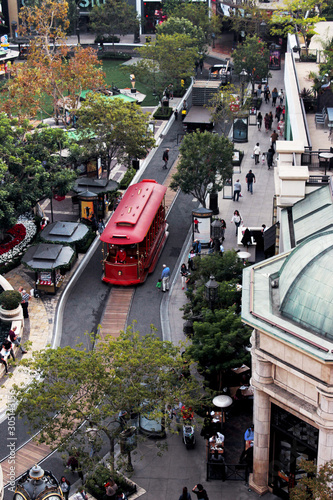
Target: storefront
(291, 440)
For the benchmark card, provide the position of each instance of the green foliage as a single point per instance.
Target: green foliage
(296, 15)
(253, 56)
(218, 342)
(167, 60)
(197, 13)
(121, 56)
(10, 299)
(31, 167)
(315, 484)
(126, 180)
(248, 19)
(176, 25)
(220, 106)
(107, 39)
(127, 372)
(163, 113)
(114, 17)
(205, 163)
(119, 129)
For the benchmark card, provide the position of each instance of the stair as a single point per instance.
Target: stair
(203, 92)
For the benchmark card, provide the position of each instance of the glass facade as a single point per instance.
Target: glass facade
(292, 440)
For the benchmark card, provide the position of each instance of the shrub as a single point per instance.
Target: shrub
(10, 299)
(163, 114)
(96, 480)
(114, 55)
(126, 180)
(107, 39)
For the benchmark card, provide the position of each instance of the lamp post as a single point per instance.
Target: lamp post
(78, 24)
(242, 77)
(212, 290)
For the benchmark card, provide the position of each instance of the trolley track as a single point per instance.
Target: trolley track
(114, 319)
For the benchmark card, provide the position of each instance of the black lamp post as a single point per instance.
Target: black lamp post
(242, 77)
(78, 24)
(212, 290)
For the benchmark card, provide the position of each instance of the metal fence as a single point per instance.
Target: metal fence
(311, 159)
(227, 472)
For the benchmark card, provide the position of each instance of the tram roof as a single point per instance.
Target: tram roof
(131, 220)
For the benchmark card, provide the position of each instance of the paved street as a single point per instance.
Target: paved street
(163, 477)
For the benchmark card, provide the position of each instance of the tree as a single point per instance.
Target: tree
(248, 19)
(295, 15)
(31, 167)
(253, 56)
(114, 17)
(316, 483)
(197, 13)
(219, 341)
(167, 60)
(176, 25)
(113, 130)
(133, 373)
(52, 67)
(205, 164)
(222, 104)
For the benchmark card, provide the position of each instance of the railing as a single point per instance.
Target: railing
(227, 472)
(318, 179)
(312, 160)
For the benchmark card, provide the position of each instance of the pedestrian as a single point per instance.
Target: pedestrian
(237, 220)
(200, 492)
(281, 97)
(259, 90)
(237, 190)
(25, 301)
(250, 179)
(183, 273)
(165, 158)
(196, 225)
(65, 486)
(280, 127)
(198, 247)
(4, 355)
(221, 249)
(14, 339)
(110, 490)
(266, 121)
(256, 153)
(266, 94)
(278, 112)
(165, 276)
(185, 495)
(201, 64)
(101, 226)
(176, 114)
(259, 121)
(73, 464)
(270, 156)
(274, 96)
(211, 246)
(263, 158)
(274, 138)
(191, 260)
(94, 223)
(224, 226)
(171, 91)
(270, 116)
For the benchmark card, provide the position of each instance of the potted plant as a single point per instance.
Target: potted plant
(10, 302)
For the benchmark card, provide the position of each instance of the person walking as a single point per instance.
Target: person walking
(256, 153)
(237, 190)
(274, 96)
(165, 158)
(65, 486)
(270, 156)
(274, 138)
(14, 339)
(165, 276)
(278, 112)
(259, 121)
(101, 226)
(185, 495)
(267, 94)
(270, 116)
(250, 179)
(200, 492)
(183, 273)
(25, 301)
(266, 121)
(237, 220)
(223, 228)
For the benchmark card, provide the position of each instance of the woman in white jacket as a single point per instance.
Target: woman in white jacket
(237, 219)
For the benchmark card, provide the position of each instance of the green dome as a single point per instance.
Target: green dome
(306, 284)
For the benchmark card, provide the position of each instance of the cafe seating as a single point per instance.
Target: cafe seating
(320, 118)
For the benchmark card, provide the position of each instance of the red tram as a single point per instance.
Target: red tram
(135, 234)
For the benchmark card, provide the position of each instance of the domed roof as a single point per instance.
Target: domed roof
(306, 284)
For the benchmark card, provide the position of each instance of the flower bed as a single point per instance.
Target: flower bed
(22, 234)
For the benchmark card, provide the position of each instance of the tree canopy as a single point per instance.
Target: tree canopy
(176, 25)
(52, 68)
(113, 130)
(133, 373)
(296, 15)
(31, 167)
(205, 164)
(253, 56)
(114, 17)
(316, 483)
(167, 60)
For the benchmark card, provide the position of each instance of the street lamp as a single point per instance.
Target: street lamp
(78, 24)
(212, 290)
(243, 77)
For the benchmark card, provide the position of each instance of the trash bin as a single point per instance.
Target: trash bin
(136, 164)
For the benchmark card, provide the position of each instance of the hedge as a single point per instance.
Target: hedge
(163, 114)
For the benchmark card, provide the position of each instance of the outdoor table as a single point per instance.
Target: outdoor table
(327, 157)
(216, 417)
(330, 117)
(214, 446)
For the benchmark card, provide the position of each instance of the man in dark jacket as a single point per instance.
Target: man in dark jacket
(165, 158)
(250, 179)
